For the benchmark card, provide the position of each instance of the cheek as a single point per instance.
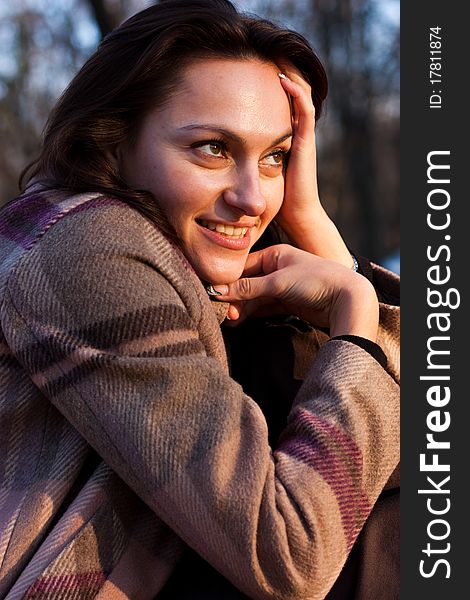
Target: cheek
(192, 191)
(170, 186)
(276, 197)
(182, 198)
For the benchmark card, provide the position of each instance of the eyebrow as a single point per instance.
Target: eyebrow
(229, 134)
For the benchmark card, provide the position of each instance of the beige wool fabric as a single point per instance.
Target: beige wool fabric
(123, 437)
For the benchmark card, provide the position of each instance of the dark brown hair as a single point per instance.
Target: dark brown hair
(135, 69)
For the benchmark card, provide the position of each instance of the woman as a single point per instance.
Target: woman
(132, 459)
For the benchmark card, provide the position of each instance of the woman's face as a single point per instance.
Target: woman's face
(213, 158)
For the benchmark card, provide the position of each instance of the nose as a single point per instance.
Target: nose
(245, 193)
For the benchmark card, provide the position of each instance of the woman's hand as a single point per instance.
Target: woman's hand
(284, 279)
(302, 216)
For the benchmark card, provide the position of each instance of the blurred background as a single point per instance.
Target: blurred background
(44, 42)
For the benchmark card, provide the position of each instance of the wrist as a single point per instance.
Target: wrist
(355, 310)
(316, 233)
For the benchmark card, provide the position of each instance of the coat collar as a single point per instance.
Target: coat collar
(220, 309)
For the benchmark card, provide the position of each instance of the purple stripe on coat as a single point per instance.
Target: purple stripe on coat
(338, 460)
(76, 582)
(30, 216)
(25, 217)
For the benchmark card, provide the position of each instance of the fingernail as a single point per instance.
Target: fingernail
(220, 290)
(211, 291)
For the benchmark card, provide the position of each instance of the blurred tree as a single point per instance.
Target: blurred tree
(19, 125)
(361, 81)
(43, 42)
(41, 47)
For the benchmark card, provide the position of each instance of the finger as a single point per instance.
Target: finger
(304, 110)
(239, 311)
(294, 75)
(297, 78)
(246, 288)
(291, 71)
(254, 264)
(263, 262)
(234, 311)
(260, 307)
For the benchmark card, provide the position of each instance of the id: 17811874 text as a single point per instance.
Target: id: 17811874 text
(435, 67)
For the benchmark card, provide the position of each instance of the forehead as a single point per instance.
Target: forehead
(241, 95)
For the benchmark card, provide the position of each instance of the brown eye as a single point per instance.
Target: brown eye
(275, 158)
(212, 149)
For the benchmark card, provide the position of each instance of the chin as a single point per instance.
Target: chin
(215, 278)
(219, 274)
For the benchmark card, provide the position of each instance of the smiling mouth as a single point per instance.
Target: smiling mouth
(235, 233)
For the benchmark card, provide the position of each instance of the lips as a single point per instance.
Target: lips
(225, 229)
(225, 235)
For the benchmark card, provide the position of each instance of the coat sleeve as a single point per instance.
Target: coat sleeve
(387, 285)
(110, 342)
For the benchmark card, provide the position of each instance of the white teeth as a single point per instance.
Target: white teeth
(229, 230)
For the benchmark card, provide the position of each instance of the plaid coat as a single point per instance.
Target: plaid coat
(124, 439)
